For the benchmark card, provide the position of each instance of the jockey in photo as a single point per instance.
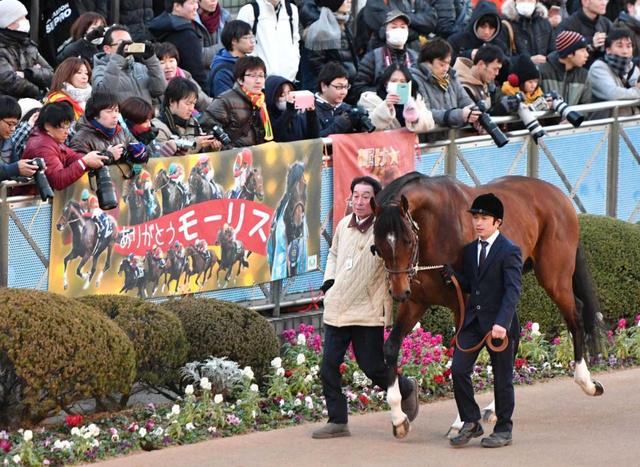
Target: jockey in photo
(144, 187)
(156, 255)
(176, 175)
(91, 210)
(241, 168)
(136, 267)
(203, 248)
(206, 171)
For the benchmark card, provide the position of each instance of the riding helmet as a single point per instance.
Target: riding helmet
(488, 204)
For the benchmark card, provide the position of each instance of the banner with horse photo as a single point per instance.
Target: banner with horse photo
(383, 155)
(191, 224)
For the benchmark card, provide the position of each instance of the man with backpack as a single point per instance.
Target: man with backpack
(238, 41)
(275, 26)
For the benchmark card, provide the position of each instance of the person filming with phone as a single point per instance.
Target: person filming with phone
(293, 113)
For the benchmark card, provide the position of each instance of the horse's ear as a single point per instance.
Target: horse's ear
(404, 203)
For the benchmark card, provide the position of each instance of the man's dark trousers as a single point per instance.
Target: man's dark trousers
(368, 348)
(502, 363)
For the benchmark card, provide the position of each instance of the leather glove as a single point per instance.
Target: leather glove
(149, 50)
(95, 35)
(121, 47)
(447, 274)
(327, 285)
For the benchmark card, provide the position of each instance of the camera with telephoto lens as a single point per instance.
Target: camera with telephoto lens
(561, 107)
(105, 190)
(531, 123)
(360, 119)
(218, 132)
(489, 125)
(44, 189)
(184, 144)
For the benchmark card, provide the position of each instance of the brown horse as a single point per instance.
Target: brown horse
(253, 187)
(85, 243)
(422, 221)
(172, 198)
(201, 264)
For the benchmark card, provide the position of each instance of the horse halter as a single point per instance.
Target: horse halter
(413, 265)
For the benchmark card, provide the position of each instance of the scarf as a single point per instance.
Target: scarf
(108, 132)
(388, 59)
(211, 20)
(529, 97)
(443, 83)
(257, 100)
(61, 96)
(80, 95)
(619, 65)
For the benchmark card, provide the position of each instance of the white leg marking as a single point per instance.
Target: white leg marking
(394, 398)
(583, 378)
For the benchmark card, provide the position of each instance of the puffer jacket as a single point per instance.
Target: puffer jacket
(574, 85)
(579, 22)
(375, 62)
(476, 89)
(446, 106)
(125, 77)
(136, 16)
(333, 120)
(87, 138)
(19, 53)
(233, 111)
(534, 36)
(607, 86)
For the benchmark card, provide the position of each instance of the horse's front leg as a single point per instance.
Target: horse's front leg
(65, 281)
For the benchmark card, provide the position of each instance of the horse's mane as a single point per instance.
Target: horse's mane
(389, 220)
(392, 189)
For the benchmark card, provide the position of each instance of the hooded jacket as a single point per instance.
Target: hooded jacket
(574, 85)
(221, 74)
(464, 42)
(288, 125)
(19, 53)
(125, 77)
(373, 65)
(87, 138)
(476, 89)
(579, 22)
(188, 37)
(534, 35)
(445, 105)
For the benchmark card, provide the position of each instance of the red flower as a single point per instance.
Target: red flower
(287, 373)
(5, 445)
(447, 373)
(343, 368)
(520, 362)
(73, 420)
(363, 398)
(438, 379)
(449, 352)
(622, 323)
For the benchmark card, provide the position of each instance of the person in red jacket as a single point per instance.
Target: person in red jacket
(64, 165)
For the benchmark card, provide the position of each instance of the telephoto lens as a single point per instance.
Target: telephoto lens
(42, 184)
(530, 121)
(361, 120)
(490, 126)
(562, 108)
(105, 190)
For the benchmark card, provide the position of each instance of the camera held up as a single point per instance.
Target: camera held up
(490, 126)
(42, 184)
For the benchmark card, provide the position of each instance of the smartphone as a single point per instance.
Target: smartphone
(302, 99)
(136, 48)
(401, 89)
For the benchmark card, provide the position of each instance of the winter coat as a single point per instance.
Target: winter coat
(476, 89)
(375, 62)
(633, 25)
(136, 16)
(81, 48)
(346, 56)
(384, 118)
(446, 11)
(464, 42)
(534, 36)
(128, 78)
(333, 120)
(233, 111)
(211, 41)
(446, 106)
(87, 138)
(63, 168)
(188, 37)
(19, 53)
(288, 125)
(574, 85)
(607, 86)
(8, 162)
(221, 74)
(579, 22)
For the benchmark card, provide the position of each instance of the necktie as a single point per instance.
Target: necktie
(483, 253)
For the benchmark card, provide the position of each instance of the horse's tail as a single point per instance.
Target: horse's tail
(584, 289)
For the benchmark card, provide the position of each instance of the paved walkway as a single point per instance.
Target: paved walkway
(555, 424)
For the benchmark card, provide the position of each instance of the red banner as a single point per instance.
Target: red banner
(384, 155)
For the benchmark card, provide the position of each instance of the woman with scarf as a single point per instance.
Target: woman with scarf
(213, 17)
(176, 121)
(242, 111)
(72, 84)
(384, 106)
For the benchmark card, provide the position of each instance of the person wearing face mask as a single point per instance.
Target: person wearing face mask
(630, 18)
(23, 71)
(72, 83)
(394, 51)
(614, 76)
(289, 124)
(529, 22)
(384, 106)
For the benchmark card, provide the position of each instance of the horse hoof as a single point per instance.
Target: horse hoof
(599, 388)
(489, 416)
(401, 430)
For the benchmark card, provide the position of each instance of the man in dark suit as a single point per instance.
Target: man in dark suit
(491, 275)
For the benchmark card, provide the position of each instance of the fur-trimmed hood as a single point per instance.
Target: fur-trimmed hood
(509, 10)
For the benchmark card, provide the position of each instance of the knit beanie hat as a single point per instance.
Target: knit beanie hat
(11, 11)
(523, 70)
(567, 42)
(333, 5)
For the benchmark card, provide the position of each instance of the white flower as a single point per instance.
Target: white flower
(61, 445)
(281, 403)
(280, 372)
(218, 398)
(302, 340)
(212, 429)
(115, 438)
(308, 402)
(254, 414)
(254, 387)
(93, 430)
(142, 432)
(416, 327)
(189, 426)
(276, 362)
(205, 384)
(290, 413)
(248, 372)
(189, 389)
(308, 379)
(300, 359)
(75, 431)
(175, 410)
(535, 329)
(28, 435)
(95, 443)
(17, 459)
(489, 369)
(158, 431)
(314, 370)
(297, 402)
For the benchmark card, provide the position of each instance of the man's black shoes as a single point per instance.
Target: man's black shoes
(497, 440)
(469, 430)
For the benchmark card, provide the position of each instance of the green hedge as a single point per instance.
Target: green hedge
(224, 329)
(60, 351)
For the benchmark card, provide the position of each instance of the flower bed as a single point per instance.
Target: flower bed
(230, 402)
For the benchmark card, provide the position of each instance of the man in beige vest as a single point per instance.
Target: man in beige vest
(357, 306)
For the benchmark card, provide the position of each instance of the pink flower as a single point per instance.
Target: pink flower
(556, 340)
(150, 425)
(622, 323)
(5, 445)
(529, 325)
(637, 318)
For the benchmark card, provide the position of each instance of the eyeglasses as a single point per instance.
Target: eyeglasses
(342, 87)
(11, 124)
(65, 127)
(249, 37)
(255, 76)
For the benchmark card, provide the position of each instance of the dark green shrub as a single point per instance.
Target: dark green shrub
(439, 320)
(223, 329)
(157, 336)
(59, 351)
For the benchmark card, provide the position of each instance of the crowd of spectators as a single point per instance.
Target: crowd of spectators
(192, 78)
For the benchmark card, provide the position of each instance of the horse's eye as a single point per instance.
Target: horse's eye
(374, 250)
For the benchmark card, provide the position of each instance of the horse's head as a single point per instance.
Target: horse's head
(124, 266)
(396, 242)
(161, 178)
(255, 183)
(70, 213)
